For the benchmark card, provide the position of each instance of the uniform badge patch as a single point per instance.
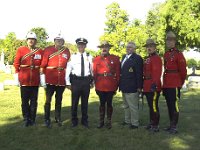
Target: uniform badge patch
(37, 56)
(64, 56)
(130, 69)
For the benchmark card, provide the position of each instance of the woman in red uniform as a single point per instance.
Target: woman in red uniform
(152, 84)
(27, 64)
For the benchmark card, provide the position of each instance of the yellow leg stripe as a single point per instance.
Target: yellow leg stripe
(176, 103)
(154, 102)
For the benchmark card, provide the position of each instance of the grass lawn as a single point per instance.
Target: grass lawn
(15, 137)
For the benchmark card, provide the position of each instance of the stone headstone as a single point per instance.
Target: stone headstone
(2, 65)
(194, 82)
(7, 68)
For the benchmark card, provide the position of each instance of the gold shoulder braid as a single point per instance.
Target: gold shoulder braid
(29, 54)
(57, 53)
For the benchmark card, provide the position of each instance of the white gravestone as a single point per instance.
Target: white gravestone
(194, 82)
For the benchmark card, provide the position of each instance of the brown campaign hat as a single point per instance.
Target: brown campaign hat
(170, 35)
(150, 42)
(104, 43)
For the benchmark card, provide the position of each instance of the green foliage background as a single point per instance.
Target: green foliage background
(180, 16)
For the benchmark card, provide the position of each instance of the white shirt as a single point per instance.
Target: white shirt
(74, 66)
(127, 57)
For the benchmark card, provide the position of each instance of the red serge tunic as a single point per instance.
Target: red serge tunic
(54, 63)
(175, 69)
(27, 64)
(152, 73)
(106, 71)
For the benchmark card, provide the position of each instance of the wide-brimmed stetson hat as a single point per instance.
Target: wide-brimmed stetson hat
(170, 35)
(104, 44)
(150, 42)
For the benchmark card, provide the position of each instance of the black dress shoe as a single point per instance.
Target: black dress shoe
(74, 125)
(167, 129)
(26, 123)
(59, 122)
(133, 127)
(48, 123)
(154, 129)
(149, 126)
(101, 125)
(32, 123)
(173, 131)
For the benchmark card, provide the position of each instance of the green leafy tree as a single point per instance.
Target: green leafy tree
(191, 62)
(120, 30)
(10, 45)
(156, 26)
(180, 16)
(198, 65)
(116, 30)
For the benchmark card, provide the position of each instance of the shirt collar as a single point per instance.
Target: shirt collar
(84, 53)
(128, 55)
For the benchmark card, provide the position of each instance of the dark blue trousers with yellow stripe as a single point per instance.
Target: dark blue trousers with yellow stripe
(172, 96)
(154, 114)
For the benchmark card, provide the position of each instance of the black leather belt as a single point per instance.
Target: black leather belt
(147, 78)
(106, 74)
(171, 71)
(74, 77)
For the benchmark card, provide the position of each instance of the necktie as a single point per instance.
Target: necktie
(82, 65)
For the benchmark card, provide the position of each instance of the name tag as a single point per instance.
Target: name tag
(37, 56)
(64, 56)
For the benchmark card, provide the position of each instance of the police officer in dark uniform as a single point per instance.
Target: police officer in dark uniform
(152, 84)
(79, 80)
(106, 69)
(27, 64)
(173, 79)
(131, 82)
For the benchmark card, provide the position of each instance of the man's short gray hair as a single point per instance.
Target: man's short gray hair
(132, 43)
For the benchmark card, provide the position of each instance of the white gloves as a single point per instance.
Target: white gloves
(16, 79)
(42, 81)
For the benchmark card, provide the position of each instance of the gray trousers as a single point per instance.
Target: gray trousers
(131, 108)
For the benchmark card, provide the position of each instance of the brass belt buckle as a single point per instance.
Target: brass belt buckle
(59, 68)
(32, 66)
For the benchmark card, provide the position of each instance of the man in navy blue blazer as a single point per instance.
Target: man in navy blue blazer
(131, 82)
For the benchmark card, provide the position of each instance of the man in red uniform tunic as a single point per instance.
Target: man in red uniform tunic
(152, 84)
(173, 79)
(106, 71)
(53, 67)
(27, 62)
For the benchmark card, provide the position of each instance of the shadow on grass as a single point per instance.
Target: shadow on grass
(15, 137)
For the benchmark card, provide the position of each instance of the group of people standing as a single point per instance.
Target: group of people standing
(55, 69)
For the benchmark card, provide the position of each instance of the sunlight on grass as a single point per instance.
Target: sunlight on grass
(178, 143)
